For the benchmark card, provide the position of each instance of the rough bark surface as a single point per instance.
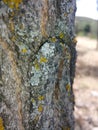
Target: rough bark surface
(37, 64)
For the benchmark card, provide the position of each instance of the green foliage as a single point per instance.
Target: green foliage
(87, 28)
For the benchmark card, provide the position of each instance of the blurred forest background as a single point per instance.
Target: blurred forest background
(86, 27)
(86, 79)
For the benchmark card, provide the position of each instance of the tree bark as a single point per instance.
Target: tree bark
(37, 64)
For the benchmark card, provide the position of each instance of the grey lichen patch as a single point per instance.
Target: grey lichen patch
(62, 26)
(27, 34)
(40, 69)
(50, 80)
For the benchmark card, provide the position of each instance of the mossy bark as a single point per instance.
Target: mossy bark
(37, 64)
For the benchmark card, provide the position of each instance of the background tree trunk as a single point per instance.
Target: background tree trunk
(37, 64)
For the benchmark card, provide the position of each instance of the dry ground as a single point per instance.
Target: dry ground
(86, 85)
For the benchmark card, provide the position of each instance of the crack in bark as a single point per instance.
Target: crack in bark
(59, 76)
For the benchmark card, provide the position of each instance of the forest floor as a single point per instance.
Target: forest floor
(86, 85)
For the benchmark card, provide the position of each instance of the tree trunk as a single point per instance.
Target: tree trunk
(37, 64)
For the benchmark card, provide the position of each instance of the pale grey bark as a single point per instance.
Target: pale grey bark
(37, 64)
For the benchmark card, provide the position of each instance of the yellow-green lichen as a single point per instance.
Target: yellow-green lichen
(53, 39)
(11, 26)
(43, 60)
(40, 108)
(1, 124)
(40, 97)
(68, 87)
(24, 50)
(74, 40)
(61, 35)
(12, 3)
(64, 128)
(32, 100)
(37, 66)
